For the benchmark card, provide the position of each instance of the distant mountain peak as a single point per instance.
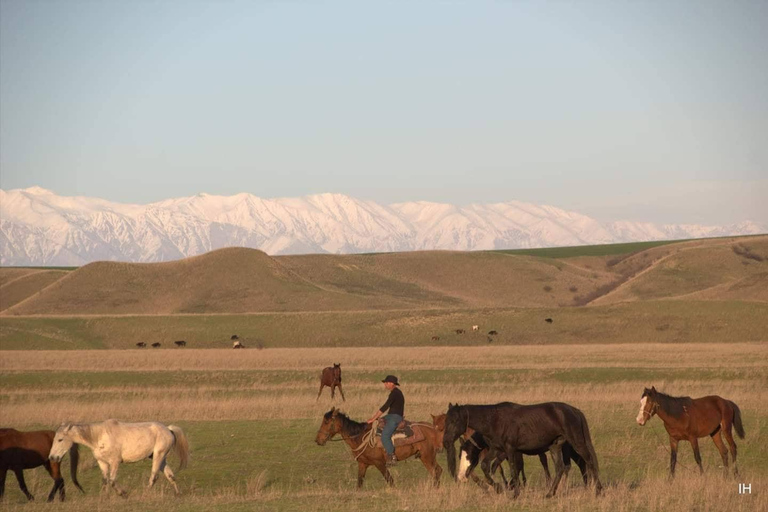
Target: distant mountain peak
(38, 227)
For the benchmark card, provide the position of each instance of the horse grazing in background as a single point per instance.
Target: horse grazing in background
(114, 442)
(688, 419)
(27, 450)
(513, 429)
(358, 437)
(331, 377)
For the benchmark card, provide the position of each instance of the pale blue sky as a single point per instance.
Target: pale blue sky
(650, 111)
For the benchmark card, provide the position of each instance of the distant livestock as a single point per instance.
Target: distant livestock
(492, 333)
(548, 320)
(180, 343)
(435, 338)
(234, 337)
(141, 344)
(156, 344)
(237, 344)
(460, 331)
(331, 377)
(475, 328)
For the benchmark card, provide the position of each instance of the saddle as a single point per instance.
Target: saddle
(404, 433)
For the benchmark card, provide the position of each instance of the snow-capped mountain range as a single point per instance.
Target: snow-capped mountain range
(38, 227)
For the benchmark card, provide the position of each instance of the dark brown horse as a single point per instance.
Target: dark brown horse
(688, 419)
(356, 435)
(331, 377)
(27, 450)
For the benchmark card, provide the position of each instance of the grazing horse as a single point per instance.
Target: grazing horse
(459, 331)
(156, 344)
(548, 320)
(27, 450)
(114, 442)
(355, 434)
(688, 419)
(141, 344)
(513, 429)
(475, 328)
(180, 343)
(237, 344)
(331, 377)
(493, 333)
(435, 338)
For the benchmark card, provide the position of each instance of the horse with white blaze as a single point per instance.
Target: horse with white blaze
(113, 442)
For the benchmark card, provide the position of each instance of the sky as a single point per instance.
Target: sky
(643, 111)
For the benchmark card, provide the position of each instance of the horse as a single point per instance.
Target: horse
(513, 429)
(237, 344)
(113, 442)
(474, 448)
(493, 333)
(688, 419)
(156, 344)
(27, 450)
(475, 328)
(331, 377)
(141, 344)
(459, 331)
(435, 338)
(356, 435)
(180, 343)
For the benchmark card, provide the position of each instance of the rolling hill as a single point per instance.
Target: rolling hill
(239, 280)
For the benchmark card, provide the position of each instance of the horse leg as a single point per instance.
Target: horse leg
(514, 481)
(168, 472)
(382, 466)
(342, 393)
(557, 457)
(696, 454)
(361, 469)
(104, 467)
(732, 445)
(521, 466)
(20, 477)
(158, 461)
(487, 468)
(3, 473)
(333, 391)
(718, 440)
(545, 465)
(113, 467)
(320, 392)
(54, 469)
(672, 457)
(430, 463)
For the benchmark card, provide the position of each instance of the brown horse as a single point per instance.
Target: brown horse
(354, 434)
(27, 450)
(331, 377)
(688, 419)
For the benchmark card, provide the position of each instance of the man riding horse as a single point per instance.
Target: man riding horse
(396, 405)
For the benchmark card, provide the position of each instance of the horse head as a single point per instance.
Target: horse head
(648, 406)
(62, 442)
(328, 428)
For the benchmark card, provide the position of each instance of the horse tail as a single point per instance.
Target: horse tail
(588, 442)
(74, 459)
(737, 420)
(181, 444)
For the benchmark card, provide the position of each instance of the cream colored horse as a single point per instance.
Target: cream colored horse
(114, 442)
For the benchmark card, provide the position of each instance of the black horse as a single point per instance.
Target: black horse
(472, 449)
(512, 429)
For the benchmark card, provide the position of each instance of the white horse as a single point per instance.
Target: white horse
(114, 442)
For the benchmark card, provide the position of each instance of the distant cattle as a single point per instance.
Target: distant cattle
(141, 344)
(181, 343)
(234, 337)
(156, 344)
(237, 344)
(460, 331)
(435, 338)
(475, 328)
(492, 333)
(548, 320)
(331, 377)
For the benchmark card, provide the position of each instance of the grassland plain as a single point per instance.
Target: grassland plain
(252, 415)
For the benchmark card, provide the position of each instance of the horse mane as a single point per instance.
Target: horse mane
(350, 426)
(85, 431)
(673, 405)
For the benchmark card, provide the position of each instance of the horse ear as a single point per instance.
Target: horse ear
(653, 389)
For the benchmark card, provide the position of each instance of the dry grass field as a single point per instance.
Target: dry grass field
(251, 417)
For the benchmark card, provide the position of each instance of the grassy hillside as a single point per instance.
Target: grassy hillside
(20, 284)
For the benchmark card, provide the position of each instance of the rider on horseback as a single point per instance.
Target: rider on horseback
(396, 405)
